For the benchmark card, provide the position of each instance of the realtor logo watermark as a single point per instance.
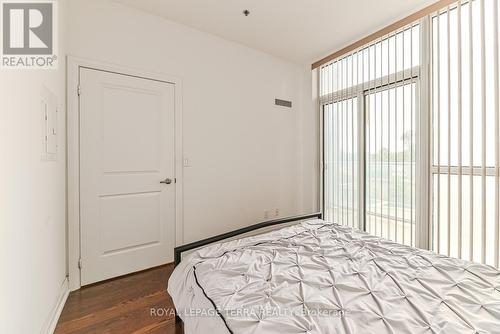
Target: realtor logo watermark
(29, 39)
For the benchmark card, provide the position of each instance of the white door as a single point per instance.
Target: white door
(126, 151)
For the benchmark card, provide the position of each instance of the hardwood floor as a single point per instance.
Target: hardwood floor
(136, 303)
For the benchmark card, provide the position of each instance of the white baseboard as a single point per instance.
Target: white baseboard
(51, 322)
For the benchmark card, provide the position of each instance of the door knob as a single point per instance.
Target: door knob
(166, 181)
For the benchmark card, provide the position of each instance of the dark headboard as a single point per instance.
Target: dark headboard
(184, 248)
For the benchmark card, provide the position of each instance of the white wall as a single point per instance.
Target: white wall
(32, 200)
(245, 153)
(310, 135)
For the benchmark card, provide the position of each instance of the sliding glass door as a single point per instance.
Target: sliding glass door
(370, 100)
(390, 162)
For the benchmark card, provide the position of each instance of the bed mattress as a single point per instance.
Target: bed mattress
(319, 277)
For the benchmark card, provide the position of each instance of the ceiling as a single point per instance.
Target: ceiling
(301, 31)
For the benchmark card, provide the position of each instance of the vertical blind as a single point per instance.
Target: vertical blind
(465, 131)
(369, 100)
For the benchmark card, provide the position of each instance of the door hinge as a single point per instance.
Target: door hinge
(79, 90)
(79, 263)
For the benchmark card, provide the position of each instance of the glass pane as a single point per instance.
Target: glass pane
(395, 53)
(464, 132)
(470, 217)
(390, 163)
(341, 162)
(446, 100)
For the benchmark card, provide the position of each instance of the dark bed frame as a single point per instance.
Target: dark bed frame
(193, 245)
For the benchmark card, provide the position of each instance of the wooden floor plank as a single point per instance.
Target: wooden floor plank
(122, 305)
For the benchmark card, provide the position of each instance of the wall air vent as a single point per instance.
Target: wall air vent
(283, 103)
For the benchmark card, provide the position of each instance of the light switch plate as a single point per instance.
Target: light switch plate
(49, 131)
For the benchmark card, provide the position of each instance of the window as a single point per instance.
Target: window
(369, 100)
(411, 134)
(341, 156)
(465, 136)
(390, 162)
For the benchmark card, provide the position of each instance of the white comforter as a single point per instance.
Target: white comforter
(318, 277)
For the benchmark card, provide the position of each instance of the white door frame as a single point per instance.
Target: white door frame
(73, 153)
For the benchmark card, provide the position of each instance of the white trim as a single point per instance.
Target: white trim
(320, 142)
(471, 134)
(459, 125)
(51, 323)
(73, 66)
(361, 124)
(483, 135)
(455, 170)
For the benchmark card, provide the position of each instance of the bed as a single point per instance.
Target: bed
(319, 277)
